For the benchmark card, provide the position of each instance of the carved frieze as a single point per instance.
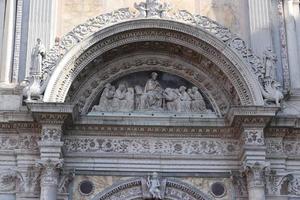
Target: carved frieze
(148, 146)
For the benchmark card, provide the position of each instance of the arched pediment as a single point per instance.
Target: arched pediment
(137, 189)
(88, 42)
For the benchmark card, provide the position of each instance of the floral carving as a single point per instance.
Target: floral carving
(150, 146)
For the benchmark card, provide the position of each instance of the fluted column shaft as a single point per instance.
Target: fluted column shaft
(42, 24)
(6, 48)
(291, 13)
(260, 30)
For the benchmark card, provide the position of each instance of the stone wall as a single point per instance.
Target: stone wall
(230, 13)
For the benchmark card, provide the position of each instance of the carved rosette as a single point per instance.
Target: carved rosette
(254, 136)
(255, 173)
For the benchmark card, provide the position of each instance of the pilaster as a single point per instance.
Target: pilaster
(51, 117)
(42, 24)
(251, 121)
(260, 30)
(292, 41)
(6, 52)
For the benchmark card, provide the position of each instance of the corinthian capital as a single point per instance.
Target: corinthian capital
(255, 173)
(50, 171)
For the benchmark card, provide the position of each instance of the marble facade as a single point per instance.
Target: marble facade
(150, 99)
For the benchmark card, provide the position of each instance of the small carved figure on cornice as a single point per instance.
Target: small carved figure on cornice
(270, 60)
(153, 184)
(152, 8)
(38, 55)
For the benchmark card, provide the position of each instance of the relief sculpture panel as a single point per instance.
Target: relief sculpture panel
(153, 95)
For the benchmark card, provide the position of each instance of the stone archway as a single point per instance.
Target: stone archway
(136, 189)
(106, 32)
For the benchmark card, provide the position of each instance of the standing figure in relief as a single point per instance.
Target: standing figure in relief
(172, 99)
(37, 57)
(185, 100)
(197, 104)
(129, 106)
(152, 97)
(270, 60)
(154, 186)
(138, 97)
(106, 99)
(120, 101)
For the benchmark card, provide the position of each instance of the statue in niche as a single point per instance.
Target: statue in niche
(138, 97)
(38, 55)
(172, 97)
(185, 100)
(270, 60)
(152, 97)
(123, 99)
(197, 102)
(153, 184)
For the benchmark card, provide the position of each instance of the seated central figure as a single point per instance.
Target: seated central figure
(152, 97)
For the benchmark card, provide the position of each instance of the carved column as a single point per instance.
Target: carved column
(251, 122)
(51, 117)
(255, 173)
(292, 41)
(259, 17)
(50, 162)
(6, 48)
(42, 24)
(254, 160)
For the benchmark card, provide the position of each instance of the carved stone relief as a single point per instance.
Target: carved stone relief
(151, 97)
(136, 189)
(83, 31)
(148, 146)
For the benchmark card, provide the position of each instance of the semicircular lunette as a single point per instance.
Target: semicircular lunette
(161, 56)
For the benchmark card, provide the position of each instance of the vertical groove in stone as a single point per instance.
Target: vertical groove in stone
(260, 31)
(18, 30)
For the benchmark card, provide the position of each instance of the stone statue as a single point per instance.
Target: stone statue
(152, 97)
(272, 92)
(123, 99)
(197, 102)
(106, 99)
(152, 8)
(172, 97)
(38, 55)
(138, 97)
(153, 184)
(270, 60)
(185, 100)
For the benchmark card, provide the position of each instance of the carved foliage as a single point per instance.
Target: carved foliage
(203, 147)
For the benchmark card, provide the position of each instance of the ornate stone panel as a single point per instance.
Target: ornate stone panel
(199, 24)
(150, 146)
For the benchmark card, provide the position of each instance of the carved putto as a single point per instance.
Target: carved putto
(151, 97)
(153, 184)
